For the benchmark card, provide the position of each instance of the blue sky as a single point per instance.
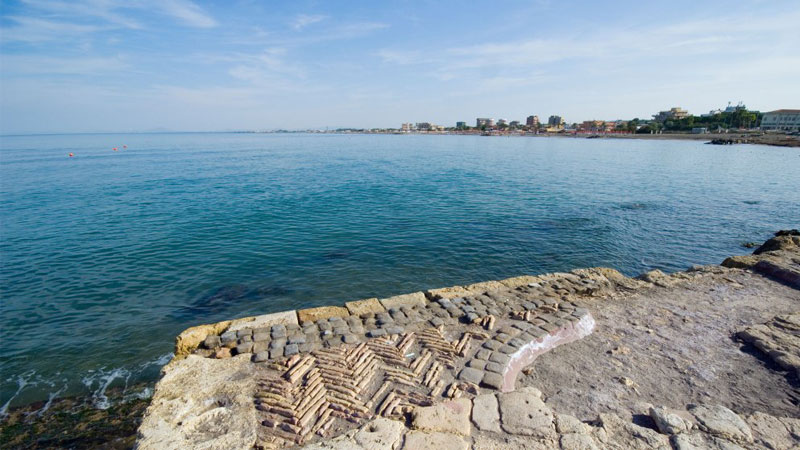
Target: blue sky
(143, 65)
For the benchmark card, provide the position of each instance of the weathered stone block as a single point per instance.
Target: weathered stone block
(290, 350)
(485, 413)
(494, 367)
(477, 364)
(410, 300)
(261, 356)
(483, 354)
(260, 346)
(502, 337)
(471, 375)
(246, 347)
(492, 379)
(369, 305)
(523, 412)
(507, 349)
(448, 292)
(448, 417)
(381, 433)
(376, 333)
(297, 339)
(492, 345)
(323, 312)
(265, 320)
(499, 358)
(212, 341)
(395, 330)
(440, 441)
(259, 337)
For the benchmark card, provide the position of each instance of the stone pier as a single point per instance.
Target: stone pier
(433, 368)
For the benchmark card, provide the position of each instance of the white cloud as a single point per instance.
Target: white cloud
(23, 65)
(187, 12)
(304, 20)
(33, 30)
(55, 20)
(606, 51)
(101, 9)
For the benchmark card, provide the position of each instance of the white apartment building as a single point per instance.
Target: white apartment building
(781, 119)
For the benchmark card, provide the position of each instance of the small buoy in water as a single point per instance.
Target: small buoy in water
(71, 155)
(115, 149)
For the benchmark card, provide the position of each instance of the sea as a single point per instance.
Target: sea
(107, 254)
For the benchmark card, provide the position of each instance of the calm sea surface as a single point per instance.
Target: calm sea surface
(106, 256)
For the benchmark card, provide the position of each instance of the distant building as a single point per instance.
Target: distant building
(699, 130)
(406, 127)
(484, 122)
(532, 121)
(423, 126)
(617, 124)
(601, 126)
(555, 122)
(675, 113)
(461, 125)
(781, 119)
(514, 124)
(502, 122)
(590, 126)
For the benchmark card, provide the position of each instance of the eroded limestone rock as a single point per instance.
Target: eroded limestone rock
(380, 434)
(202, 403)
(566, 424)
(779, 339)
(616, 433)
(523, 412)
(668, 422)
(774, 432)
(448, 417)
(577, 441)
(721, 421)
(486, 413)
(699, 441)
(191, 338)
(419, 440)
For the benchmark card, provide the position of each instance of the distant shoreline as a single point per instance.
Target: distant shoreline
(739, 137)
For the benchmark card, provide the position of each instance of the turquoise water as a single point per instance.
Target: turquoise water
(106, 256)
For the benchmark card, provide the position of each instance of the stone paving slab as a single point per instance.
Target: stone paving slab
(264, 320)
(415, 299)
(321, 313)
(366, 306)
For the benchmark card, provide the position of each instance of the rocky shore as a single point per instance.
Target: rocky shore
(706, 358)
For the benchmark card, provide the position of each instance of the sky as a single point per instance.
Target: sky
(178, 65)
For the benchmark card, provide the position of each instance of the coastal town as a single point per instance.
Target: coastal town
(673, 120)
(733, 124)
